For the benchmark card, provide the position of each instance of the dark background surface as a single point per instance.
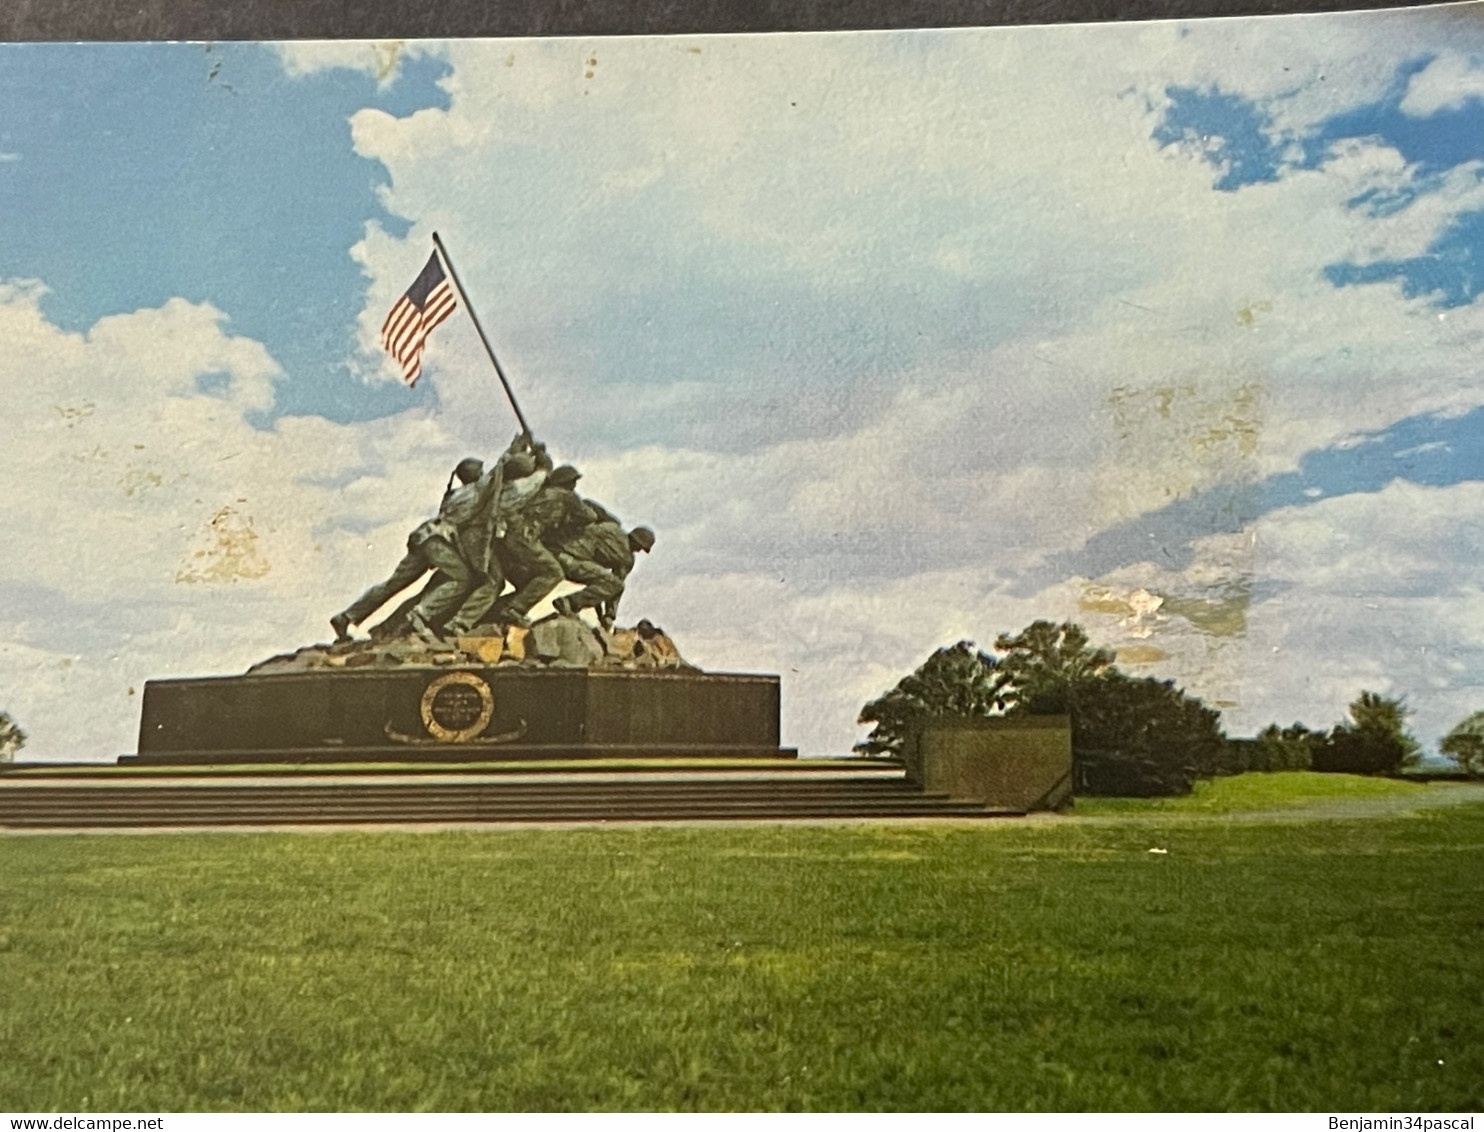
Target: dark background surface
(395, 19)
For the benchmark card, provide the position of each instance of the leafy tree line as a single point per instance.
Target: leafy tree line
(1374, 740)
(1137, 736)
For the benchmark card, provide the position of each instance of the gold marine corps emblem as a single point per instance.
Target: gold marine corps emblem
(457, 707)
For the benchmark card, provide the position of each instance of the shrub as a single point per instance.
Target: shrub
(12, 738)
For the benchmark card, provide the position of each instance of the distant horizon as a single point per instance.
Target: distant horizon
(894, 338)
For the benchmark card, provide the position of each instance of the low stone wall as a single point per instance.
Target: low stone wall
(1017, 763)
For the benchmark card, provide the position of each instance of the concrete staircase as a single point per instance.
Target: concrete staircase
(33, 798)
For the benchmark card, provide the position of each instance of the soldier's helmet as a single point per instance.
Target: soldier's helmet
(469, 469)
(642, 538)
(519, 465)
(564, 476)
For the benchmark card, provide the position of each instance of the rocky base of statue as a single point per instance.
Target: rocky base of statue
(556, 641)
(560, 690)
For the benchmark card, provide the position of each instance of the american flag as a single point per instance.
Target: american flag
(427, 303)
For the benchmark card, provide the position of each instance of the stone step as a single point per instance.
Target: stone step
(454, 753)
(629, 788)
(150, 800)
(62, 818)
(593, 797)
(129, 772)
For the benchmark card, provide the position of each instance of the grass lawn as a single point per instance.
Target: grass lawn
(1055, 964)
(1245, 793)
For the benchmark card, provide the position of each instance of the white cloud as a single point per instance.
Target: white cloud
(1086, 241)
(1446, 83)
(381, 59)
(151, 531)
(1291, 618)
(1380, 591)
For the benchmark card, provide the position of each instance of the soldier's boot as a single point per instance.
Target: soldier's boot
(423, 632)
(565, 607)
(608, 615)
(501, 614)
(341, 624)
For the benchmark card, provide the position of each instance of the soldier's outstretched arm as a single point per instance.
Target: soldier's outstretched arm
(600, 513)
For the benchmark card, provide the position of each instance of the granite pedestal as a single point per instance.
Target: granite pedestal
(468, 713)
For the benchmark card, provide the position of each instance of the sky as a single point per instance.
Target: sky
(894, 338)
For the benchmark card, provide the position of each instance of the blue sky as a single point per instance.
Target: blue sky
(202, 171)
(894, 339)
(1245, 147)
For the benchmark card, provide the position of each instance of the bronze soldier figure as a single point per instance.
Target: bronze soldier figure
(601, 557)
(525, 558)
(447, 545)
(489, 537)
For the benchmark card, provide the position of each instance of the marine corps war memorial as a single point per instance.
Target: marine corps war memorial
(439, 698)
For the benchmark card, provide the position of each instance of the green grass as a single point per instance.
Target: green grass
(1255, 793)
(1330, 965)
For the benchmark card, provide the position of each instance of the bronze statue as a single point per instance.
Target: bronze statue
(455, 546)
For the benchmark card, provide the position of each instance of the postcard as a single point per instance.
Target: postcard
(458, 446)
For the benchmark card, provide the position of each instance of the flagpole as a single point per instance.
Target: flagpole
(488, 349)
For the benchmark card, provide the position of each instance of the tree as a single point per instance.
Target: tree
(1374, 741)
(1286, 748)
(955, 680)
(1046, 667)
(1466, 744)
(1142, 737)
(1130, 736)
(12, 738)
